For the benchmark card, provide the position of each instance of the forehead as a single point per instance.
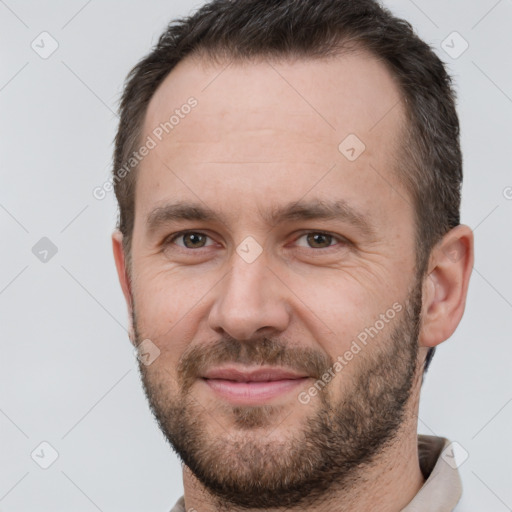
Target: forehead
(351, 91)
(268, 125)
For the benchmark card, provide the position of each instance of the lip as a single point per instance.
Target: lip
(252, 386)
(260, 374)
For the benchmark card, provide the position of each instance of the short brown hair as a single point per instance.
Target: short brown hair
(431, 162)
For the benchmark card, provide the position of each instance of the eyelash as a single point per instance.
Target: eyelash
(171, 239)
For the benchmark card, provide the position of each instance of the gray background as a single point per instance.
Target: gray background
(68, 374)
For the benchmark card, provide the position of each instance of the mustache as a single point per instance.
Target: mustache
(263, 351)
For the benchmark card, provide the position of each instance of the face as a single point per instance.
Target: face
(273, 273)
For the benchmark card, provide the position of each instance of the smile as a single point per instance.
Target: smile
(246, 387)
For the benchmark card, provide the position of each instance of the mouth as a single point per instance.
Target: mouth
(252, 386)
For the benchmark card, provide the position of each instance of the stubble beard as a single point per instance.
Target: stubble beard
(249, 466)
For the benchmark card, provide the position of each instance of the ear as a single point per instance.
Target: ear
(445, 286)
(124, 277)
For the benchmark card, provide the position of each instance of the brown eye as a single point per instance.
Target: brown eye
(190, 240)
(319, 240)
(316, 240)
(193, 240)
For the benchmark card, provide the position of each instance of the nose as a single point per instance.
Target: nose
(251, 300)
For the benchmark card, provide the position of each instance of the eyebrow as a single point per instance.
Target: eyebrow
(295, 211)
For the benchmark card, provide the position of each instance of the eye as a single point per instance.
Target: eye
(311, 240)
(319, 240)
(189, 239)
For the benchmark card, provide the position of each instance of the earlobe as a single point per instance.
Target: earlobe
(445, 286)
(124, 277)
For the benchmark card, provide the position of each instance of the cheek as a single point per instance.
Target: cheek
(168, 307)
(339, 310)
(343, 296)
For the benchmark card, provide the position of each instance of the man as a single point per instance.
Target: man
(288, 174)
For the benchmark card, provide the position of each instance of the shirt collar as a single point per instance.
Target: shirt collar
(443, 487)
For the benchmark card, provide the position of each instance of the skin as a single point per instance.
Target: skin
(265, 134)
